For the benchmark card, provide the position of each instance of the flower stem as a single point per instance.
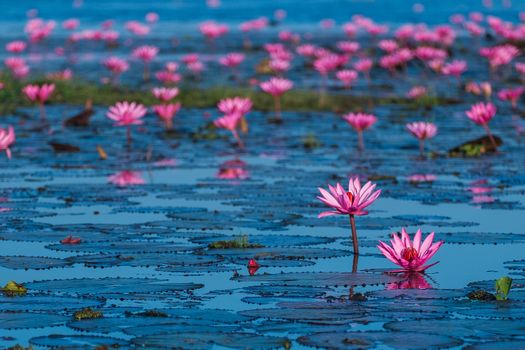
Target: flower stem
(360, 140)
(277, 102)
(492, 140)
(129, 137)
(422, 148)
(354, 234)
(238, 139)
(42, 111)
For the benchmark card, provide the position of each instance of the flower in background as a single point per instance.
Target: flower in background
(7, 138)
(126, 178)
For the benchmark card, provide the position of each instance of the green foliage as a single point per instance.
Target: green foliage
(77, 91)
(503, 286)
(240, 242)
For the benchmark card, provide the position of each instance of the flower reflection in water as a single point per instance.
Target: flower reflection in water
(126, 178)
(233, 170)
(412, 280)
(481, 191)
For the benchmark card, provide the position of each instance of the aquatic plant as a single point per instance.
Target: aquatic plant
(277, 87)
(12, 289)
(481, 113)
(39, 94)
(410, 255)
(86, 314)
(352, 202)
(7, 138)
(503, 286)
(422, 131)
(240, 242)
(360, 122)
(127, 114)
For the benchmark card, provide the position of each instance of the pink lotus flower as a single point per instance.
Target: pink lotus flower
(347, 76)
(165, 94)
(455, 68)
(417, 92)
(127, 114)
(7, 138)
(351, 202)
(422, 178)
(520, 68)
(232, 60)
(71, 24)
(212, 30)
(360, 122)
(306, 50)
(126, 178)
(152, 17)
(39, 94)
(410, 256)
(230, 122)
(196, 67)
(167, 77)
(166, 112)
(235, 105)
(279, 66)
(481, 113)
(511, 95)
(116, 66)
(137, 28)
(348, 47)
(484, 88)
(276, 87)
(16, 46)
(364, 65)
(422, 131)
(146, 54)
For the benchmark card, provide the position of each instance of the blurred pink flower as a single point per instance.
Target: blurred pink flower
(7, 138)
(126, 178)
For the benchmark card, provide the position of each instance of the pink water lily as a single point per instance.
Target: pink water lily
(39, 94)
(511, 95)
(237, 105)
(410, 255)
(481, 113)
(146, 54)
(360, 122)
(230, 122)
(166, 112)
(350, 202)
(276, 87)
(7, 138)
(165, 94)
(116, 66)
(422, 131)
(127, 114)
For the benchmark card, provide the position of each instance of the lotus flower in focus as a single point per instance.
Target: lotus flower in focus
(410, 255)
(352, 201)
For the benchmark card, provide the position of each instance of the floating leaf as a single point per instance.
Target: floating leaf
(503, 286)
